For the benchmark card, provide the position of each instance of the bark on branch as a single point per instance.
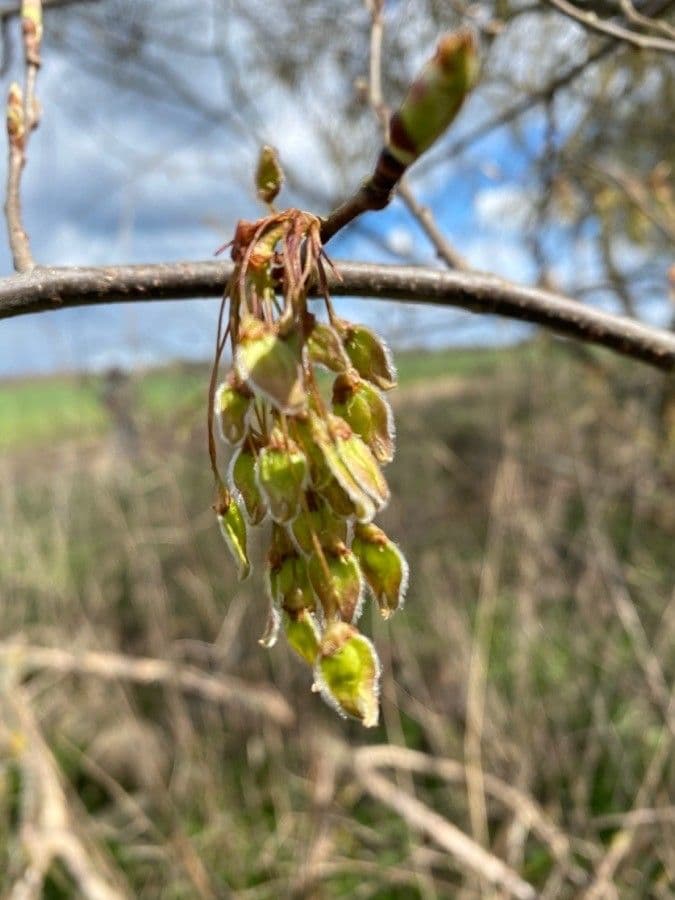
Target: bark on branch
(46, 288)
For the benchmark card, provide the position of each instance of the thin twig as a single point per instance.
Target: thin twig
(59, 288)
(467, 853)
(48, 830)
(225, 689)
(22, 119)
(591, 21)
(424, 216)
(643, 21)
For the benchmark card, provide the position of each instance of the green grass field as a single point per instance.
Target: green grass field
(526, 694)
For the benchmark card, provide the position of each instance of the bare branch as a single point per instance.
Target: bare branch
(22, 119)
(225, 689)
(56, 288)
(468, 853)
(9, 10)
(591, 21)
(424, 216)
(629, 11)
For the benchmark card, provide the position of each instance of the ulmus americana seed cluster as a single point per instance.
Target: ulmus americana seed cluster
(307, 458)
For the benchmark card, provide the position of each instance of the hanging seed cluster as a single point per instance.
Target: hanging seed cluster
(306, 460)
(308, 456)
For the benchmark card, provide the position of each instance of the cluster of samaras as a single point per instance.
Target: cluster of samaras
(308, 457)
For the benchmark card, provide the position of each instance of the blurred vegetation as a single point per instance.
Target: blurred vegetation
(532, 493)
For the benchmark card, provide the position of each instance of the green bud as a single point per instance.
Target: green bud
(269, 176)
(434, 98)
(347, 673)
(367, 413)
(243, 478)
(383, 565)
(282, 475)
(359, 461)
(325, 348)
(271, 365)
(233, 529)
(369, 355)
(233, 401)
(303, 635)
(337, 582)
(320, 520)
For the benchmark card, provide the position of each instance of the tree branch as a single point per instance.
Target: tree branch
(54, 288)
(591, 21)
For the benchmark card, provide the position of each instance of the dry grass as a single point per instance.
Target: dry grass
(150, 747)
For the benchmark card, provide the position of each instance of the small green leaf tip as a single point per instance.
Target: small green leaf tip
(233, 529)
(348, 673)
(269, 176)
(434, 97)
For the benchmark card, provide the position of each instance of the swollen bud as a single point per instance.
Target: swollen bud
(367, 413)
(233, 401)
(383, 566)
(282, 475)
(271, 365)
(233, 529)
(16, 126)
(347, 673)
(434, 98)
(369, 355)
(269, 176)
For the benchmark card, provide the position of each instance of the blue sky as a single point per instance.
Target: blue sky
(115, 178)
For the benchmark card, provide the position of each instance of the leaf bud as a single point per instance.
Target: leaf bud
(269, 176)
(434, 97)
